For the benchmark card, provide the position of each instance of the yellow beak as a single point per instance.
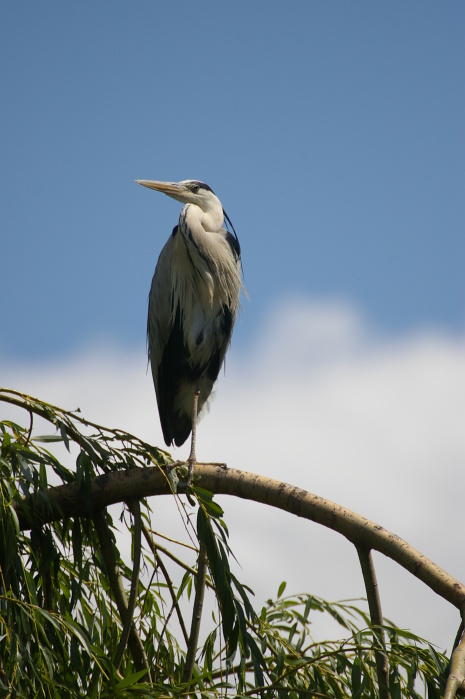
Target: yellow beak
(172, 189)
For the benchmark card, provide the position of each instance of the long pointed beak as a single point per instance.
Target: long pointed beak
(172, 189)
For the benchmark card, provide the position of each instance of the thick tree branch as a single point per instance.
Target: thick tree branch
(376, 614)
(136, 483)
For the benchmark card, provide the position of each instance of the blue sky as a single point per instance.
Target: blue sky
(331, 131)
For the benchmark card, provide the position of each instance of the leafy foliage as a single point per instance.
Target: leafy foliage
(61, 623)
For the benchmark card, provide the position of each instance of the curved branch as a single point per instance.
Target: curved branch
(136, 483)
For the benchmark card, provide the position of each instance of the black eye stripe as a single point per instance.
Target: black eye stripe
(195, 185)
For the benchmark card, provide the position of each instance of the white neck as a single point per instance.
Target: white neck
(211, 220)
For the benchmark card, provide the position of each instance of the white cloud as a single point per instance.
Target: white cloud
(323, 402)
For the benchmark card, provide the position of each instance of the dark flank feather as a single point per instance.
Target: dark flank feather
(172, 371)
(225, 328)
(176, 370)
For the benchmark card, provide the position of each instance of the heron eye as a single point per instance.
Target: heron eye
(195, 188)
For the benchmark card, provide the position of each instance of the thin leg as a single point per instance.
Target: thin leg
(192, 458)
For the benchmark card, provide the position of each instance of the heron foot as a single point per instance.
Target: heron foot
(192, 464)
(190, 471)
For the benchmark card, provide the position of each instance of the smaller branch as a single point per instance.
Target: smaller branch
(108, 555)
(183, 544)
(182, 564)
(45, 572)
(154, 549)
(376, 614)
(31, 424)
(134, 507)
(162, 633)
(458, 635)
(196, 615)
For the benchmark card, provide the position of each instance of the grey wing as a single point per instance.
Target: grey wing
(159, 331)
(169, 359)
(159, 313)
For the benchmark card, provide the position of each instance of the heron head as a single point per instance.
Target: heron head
(187, 192)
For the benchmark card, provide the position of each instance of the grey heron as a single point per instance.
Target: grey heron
(193, 303)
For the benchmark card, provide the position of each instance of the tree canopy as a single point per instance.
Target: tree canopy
(77, 619)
